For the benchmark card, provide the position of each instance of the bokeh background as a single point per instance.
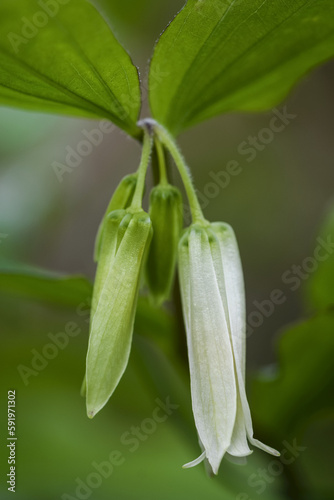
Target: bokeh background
(277, 205)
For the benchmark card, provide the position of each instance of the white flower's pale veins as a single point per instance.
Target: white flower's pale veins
(213, 300)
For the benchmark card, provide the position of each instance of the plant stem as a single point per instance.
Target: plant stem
(142, 169)
(167, 140)
(162, 162)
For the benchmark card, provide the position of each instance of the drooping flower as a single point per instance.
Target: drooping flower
(213, 298)
(125, 240)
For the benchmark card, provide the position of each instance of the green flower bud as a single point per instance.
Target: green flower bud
(121, 199)
(124, 244)
(111, 232)
(167, 218)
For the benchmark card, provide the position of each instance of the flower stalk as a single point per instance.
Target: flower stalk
(142, 169)
(169, 143)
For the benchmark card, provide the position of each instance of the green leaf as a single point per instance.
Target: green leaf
(317, 471)
(233, 55)
(320, 289)
(302, 388)
(45, 286)
(295, 406)
(61, 56)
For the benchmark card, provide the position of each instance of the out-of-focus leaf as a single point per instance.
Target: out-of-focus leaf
(236, 55)
(21, 130)
(129, 11)
(304, 383)
(287, 405)
(45, 286)
(320, 287)
(62, 57)
(317, 464)
(157, 324)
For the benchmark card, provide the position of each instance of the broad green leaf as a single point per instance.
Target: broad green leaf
(303, 385)
(236, 55)
(61, 56)
(320, 287)
(44, 286)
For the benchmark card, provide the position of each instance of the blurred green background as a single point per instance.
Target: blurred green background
(276, 204)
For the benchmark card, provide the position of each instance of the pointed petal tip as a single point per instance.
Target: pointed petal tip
(264, 447)
(214, 464)
(197, 461)
(215, 470)
(91, 413)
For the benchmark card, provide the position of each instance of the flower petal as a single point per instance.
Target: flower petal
(234, 289)
(197, 461)
(239, 445)
(231, 284)
(184, 276)
(213, 385)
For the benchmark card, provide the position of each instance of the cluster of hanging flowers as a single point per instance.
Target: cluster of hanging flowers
(130, 243)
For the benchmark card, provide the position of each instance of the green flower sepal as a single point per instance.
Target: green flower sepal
(166, 213)
(125, 241)
(121, 199)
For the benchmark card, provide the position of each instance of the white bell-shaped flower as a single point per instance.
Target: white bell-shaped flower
(213, 300)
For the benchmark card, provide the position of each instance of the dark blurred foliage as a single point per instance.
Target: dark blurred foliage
(276, 205)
